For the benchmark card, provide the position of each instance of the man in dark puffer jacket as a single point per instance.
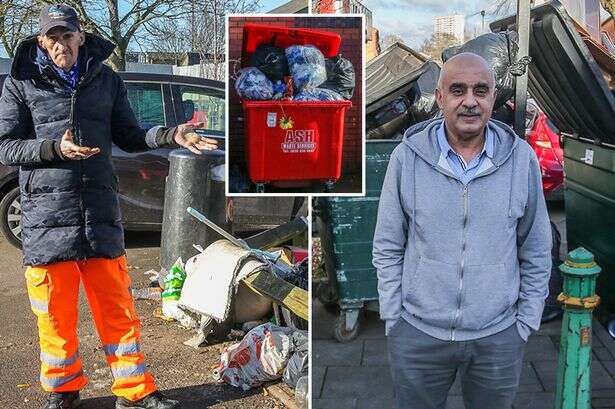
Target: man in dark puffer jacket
(61, 110)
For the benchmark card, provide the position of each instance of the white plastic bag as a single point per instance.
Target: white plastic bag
(261, 356)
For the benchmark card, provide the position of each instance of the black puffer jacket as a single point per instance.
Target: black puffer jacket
(70, 208)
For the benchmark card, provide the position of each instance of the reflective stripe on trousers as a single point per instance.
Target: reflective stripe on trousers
(53, 290)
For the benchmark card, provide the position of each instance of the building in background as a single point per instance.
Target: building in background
(453, 25)
(292, 7)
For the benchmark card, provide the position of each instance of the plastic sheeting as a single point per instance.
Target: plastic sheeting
(252, 84)
(271, 61)
(340, 76)
(306, 65)
(500, 51)
(298, 363)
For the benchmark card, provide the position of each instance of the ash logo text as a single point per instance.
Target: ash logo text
(299, 141)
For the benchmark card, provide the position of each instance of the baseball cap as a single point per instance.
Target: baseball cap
(58, 15)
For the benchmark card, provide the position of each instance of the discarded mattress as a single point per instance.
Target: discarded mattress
(564, 77)
(213, 278)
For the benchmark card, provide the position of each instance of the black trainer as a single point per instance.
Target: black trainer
(155, 400)
(63, 400)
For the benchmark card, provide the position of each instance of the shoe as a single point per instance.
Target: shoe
(63, 400)
(155, 400)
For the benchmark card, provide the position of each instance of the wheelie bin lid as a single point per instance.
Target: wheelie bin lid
(564, 76)
(256, 34)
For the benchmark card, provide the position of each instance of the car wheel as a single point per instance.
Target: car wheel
(10, 217)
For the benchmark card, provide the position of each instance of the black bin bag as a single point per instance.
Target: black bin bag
(271, 61)
(340, 76)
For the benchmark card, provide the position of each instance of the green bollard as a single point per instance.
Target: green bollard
(579, 300)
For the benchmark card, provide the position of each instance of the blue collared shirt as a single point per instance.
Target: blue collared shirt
(453, 162)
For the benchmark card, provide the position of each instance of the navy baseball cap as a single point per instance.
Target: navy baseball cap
(58, 15)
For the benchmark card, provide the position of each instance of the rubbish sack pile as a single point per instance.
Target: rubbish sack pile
(261, 356)
(406, 108)
(500, 52)
(299, 73)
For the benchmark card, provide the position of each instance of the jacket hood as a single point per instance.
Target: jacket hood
(95, 50)
(421, 138)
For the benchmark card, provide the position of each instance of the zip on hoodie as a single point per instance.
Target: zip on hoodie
(462, 261)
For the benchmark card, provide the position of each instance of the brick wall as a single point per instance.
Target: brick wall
(350, 31)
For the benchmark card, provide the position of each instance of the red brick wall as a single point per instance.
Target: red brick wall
(350, 30)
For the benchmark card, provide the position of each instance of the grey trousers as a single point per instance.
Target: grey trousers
(424, 368)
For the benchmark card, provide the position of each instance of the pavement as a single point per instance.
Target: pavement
(180, 371)
(356, 375)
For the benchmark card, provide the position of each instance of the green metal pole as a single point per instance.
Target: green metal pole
(579, 299)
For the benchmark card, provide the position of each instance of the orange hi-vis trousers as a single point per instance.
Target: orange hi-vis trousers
(54, 293)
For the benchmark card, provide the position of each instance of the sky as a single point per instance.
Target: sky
(413, 19)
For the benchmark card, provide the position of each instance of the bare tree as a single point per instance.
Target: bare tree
(203, 32)
(434, 45)
(389, 40)
(17, 20)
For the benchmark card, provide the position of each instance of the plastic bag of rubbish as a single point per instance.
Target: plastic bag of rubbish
(297, 366)
(306, 65)
(500, 52)
(261, 356)
(340, 76)
(392, 118)
(302, 392)
(318, 94)
(423, 95)
(173, 284)
(252, 84)
(271, 61)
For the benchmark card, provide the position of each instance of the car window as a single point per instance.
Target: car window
(146, 102)
(199, 105)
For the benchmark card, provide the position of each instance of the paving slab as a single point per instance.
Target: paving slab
(318, 379)
(345, 403)
(357, 382)
(375, 352)
(333, 353)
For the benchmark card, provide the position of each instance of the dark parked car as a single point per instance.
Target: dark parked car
(156, 99)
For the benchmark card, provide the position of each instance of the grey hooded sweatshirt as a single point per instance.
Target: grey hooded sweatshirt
(462, 262)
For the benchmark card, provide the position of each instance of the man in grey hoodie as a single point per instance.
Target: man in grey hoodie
(462, 249)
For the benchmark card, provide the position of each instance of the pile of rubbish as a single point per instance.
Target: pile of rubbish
(231, 290)
(297, 73)
(394, 106)
(402, 103)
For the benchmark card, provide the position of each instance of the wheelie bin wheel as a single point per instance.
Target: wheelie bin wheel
(341, 333)
(329, 186)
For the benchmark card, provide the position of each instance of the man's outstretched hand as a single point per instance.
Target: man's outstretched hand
(186, 137)
(72, 151)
